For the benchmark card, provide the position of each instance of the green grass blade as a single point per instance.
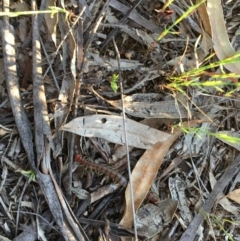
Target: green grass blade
(191, 9)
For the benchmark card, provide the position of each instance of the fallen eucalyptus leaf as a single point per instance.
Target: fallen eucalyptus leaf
(111, 129)
(222, 45)
(145, 172)
(143, 176)
(234, 195)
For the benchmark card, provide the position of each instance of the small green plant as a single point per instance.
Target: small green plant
(30, 174)
(191, 77)
(114, 84)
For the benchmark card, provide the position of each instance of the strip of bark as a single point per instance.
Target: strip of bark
(11, 80)
(43, 141)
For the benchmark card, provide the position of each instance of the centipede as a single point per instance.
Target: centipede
(102, 169)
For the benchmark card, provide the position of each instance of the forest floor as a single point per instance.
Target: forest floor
(112, 106)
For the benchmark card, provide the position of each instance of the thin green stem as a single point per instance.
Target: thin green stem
(191, 9)
(52, 11)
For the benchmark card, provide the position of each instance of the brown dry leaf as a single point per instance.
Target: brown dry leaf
(222, 45)
(202, 11)
(234, 195)
(206, 42)
(145, 172)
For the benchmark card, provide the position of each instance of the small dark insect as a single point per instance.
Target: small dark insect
(105, 170)
(164, 15)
